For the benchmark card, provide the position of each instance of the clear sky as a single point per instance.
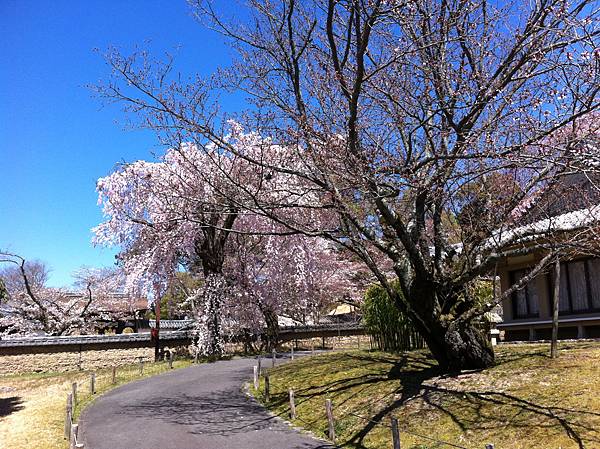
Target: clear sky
(55, 138)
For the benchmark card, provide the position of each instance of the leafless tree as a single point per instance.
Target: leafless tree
(426, 129)
(31, 306)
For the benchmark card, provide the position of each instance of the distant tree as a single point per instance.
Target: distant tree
(177, 212)
(172, 213)
(294, 276)
(175, 302)
(31, 306)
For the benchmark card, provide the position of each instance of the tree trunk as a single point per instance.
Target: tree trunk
(210, 335)
(456, 345)
(459, 346)
(272, 322)
(555, 305)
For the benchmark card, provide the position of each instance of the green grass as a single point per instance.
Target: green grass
(33, 410)
(528, 400)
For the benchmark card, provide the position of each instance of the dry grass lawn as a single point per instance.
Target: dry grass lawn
(527, 401)
(32, 406)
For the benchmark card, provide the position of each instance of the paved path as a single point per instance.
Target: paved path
(200, 407)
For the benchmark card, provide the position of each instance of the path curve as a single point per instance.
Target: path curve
(200, 407)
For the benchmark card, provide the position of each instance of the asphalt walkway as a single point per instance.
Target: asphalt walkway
(200, 407)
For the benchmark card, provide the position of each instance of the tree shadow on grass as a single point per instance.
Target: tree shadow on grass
(10, 405)
(469, 409)
(495, 410)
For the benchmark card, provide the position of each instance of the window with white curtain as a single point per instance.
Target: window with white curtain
(579, 286)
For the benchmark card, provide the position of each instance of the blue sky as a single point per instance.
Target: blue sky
(55, 138)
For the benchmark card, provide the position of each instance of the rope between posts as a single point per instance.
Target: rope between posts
(407, 431)
(379, 423)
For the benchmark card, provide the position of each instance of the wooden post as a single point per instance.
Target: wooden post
(171, 360)
(292, 353)
(114, 375)
(312, 348)
(255, 377)
(259, 363)
(395, 433)
(329, 410)
(68, 415)
(141, 366)
(74, 432)
(68, 424)
(555, 302)
(267, 388)
(274, 357)
(292, 405)
(93, 383)
(74, 392)
(358, 342)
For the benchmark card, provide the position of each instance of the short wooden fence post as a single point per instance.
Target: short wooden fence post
(114, 375)
(93, 383)
(171, 360)
(74, 392)
(68, 415)
(312, 348)
(259, 363)
(274, 357)
(329, 410)
(141, 367)
(395, 433)
(292, 353)
(267, 388)
(255, 377)
(358, 342)
(292, 405)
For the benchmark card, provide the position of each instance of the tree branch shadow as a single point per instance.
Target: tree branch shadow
(469, 409)
(10, 405)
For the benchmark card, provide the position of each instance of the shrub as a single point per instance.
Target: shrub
(390, 329)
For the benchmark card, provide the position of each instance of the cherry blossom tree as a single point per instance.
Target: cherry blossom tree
(393, 111)
(170, 214)
(32, 307)
(293, 276)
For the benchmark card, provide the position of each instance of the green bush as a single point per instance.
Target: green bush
(390, 329)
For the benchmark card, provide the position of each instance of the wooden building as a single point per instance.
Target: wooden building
(527, 313)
